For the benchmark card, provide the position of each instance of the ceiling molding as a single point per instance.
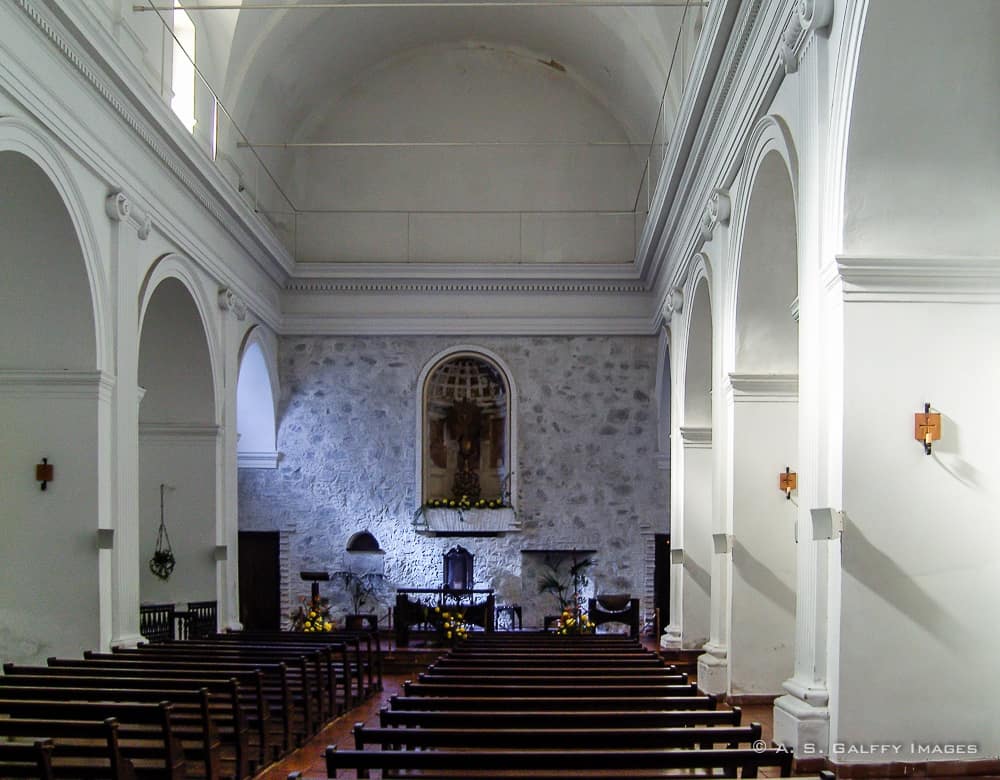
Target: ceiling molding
(307, 271)
(486, 286)
(333, 325)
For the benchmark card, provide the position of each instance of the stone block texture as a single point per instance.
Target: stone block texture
(347, 429)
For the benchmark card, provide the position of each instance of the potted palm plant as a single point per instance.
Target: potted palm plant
(364, 592)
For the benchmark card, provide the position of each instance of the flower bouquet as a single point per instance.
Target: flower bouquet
(312, 615)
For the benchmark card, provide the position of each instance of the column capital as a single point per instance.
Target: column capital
(717, 210)
(230, 301)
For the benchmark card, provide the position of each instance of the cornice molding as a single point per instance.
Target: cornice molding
(696, 436)
(919, 279)
(763, 388)
(808, 18)
(56, 383)
(487, 286)
(433, 325)
(257, 460)
(392, 271)
(168, 431)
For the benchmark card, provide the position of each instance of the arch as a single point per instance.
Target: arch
(178, 268)
(762, 414)
(53, 403)
(17, 135)
(930, 190)
(178, 440)
(256, 403)
(490, 357)
(697, 367)
(363, 541)
(765, 290)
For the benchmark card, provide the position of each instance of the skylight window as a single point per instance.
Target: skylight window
(183, 77)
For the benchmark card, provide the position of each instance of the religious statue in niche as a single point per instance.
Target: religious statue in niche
(466, 431)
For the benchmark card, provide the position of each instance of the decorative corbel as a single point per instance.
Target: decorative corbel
(809, 17)
(230, 301)
(717, 210)
(120, 208)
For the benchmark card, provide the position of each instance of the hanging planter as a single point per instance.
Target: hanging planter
(162, 562)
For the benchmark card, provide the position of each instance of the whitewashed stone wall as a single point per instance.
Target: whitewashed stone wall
(347, 429)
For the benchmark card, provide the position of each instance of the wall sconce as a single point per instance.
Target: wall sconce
(927, 427)
(788, 481)
(44, 472)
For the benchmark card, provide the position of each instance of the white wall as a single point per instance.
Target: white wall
(762, 646)
(697, 586)
(920, 571)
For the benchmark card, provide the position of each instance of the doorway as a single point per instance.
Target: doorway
(661, 578)
(260, 580)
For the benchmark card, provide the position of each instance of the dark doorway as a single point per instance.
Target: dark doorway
(661, 578)
(260, 581)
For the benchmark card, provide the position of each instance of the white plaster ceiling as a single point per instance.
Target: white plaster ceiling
(290, 76)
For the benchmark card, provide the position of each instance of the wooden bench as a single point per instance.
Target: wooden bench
(80, 748)
(276, 687)
(545, 718)
(194, 718)
(560, 677)
(300, 675)
(27, 759)
(502, 690)
(583, 763)
(249, 691)
(594, 737)
(147, 732)
(553, 703)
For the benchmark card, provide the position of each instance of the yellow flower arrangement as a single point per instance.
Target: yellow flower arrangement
(450, 625)
(574, 621)
(312, 615)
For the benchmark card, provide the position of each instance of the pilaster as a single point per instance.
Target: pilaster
(713, 664)
(233, 311)
(130, 226)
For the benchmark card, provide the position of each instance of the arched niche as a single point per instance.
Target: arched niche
(698, 360)
(763, 415)
(178, 444)
(51, 395)
(255, 406)
(466, 436)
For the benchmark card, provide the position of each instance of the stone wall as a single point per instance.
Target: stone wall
(347, 437)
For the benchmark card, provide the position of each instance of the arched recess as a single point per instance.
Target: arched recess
(696, 457)
(53, 404)
(505, 471)
(178, 438)
(763, 415)
(256, 393)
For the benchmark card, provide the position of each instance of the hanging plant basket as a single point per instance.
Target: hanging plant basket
(162, 562)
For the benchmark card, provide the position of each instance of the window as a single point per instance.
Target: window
(183, 76)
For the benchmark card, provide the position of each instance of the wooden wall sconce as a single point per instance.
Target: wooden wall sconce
(927, 427)
(788, 481)
(44, 472)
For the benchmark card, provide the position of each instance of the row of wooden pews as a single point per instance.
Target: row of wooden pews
(219, 708)
(541, 706)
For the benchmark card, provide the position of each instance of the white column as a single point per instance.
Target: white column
(713, 664)
(129, 228)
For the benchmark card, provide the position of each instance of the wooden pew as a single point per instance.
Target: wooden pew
(322, 669)
(599, 738)
(583, 763)
(27, 759)
(300, 671)
(562, 677)
(194, 719)
(147, 732)
(389, 718)
(80, 748)
(502, 690)
(552, 703)
(249, 682)
(276, 688)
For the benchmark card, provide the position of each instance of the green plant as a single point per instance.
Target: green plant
(567, 586)
(362, 589)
